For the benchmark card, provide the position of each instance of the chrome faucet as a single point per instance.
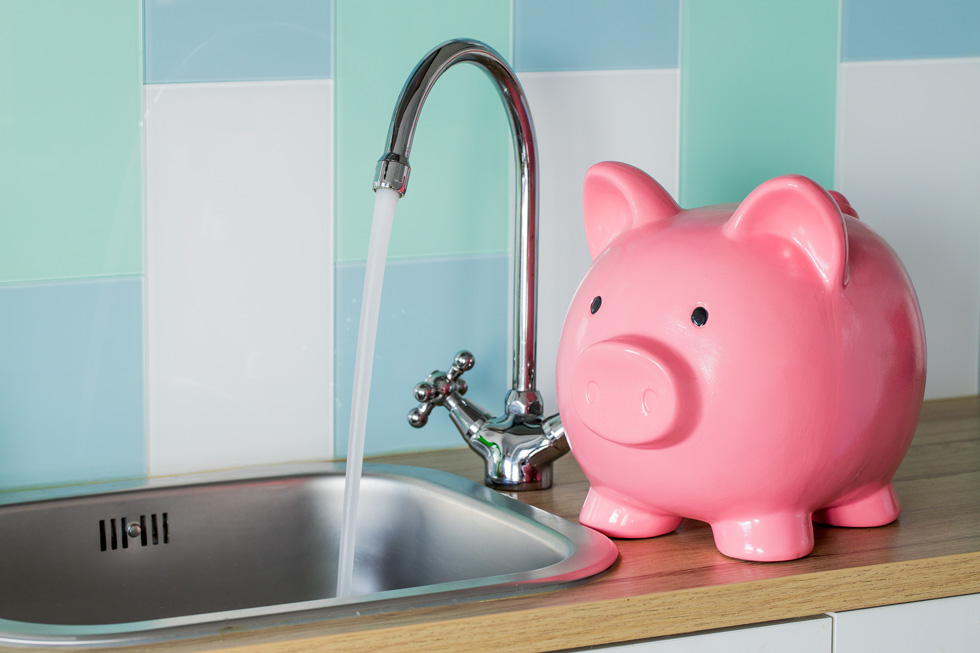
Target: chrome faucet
(520, 446)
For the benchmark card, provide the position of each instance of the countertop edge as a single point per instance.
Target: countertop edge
(677, 612)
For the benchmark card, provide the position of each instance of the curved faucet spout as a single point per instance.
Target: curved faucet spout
(393, 171)
(523, 406)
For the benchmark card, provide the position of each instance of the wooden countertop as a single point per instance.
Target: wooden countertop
(679, 583)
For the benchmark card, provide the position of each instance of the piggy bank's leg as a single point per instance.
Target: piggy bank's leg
(766, 538)
(616, 515)
(875, 508)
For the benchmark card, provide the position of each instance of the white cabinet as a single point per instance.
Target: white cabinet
(802, 636)
(947, 625)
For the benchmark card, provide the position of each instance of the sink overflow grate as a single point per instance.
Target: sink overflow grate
(149, 530)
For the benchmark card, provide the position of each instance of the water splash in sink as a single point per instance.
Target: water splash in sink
(385, 202)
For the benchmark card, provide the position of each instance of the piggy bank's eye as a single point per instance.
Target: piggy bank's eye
(596, 303)
(699, 316)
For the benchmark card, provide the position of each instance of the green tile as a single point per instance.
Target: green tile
(458, 199)
(70, 139)
(758, 95)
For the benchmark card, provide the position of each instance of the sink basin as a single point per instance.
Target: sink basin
(127, 563)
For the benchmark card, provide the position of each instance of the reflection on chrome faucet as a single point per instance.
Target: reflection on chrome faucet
(520, 446)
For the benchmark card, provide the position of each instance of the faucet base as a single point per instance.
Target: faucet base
(540, 480)
(519, 452)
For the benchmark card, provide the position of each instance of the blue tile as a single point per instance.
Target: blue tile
(552, 35)
(237, 40)
(430, 310)
(909, 29)
(71, 381)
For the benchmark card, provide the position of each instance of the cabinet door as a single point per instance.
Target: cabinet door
(947, 625)
(802, 636)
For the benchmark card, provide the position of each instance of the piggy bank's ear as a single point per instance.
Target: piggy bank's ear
(619, 197)
(842, 203)
(796, 214)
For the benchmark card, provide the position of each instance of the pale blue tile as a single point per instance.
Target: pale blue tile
(430, 310)
(909, 29)
(552, 35)
(71, 381)
(237, 40)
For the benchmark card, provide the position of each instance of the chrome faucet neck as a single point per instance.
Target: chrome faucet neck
(393, 172)
(520, 447)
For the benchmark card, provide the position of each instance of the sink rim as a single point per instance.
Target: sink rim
(587, 553)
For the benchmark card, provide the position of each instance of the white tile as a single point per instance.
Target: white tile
(582, 118)
(909, 162)
(239, 273)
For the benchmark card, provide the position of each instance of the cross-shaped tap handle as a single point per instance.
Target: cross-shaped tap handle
(437, 386)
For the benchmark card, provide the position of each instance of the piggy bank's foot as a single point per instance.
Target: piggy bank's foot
(766, 538)
(616, 515)
(876, 508)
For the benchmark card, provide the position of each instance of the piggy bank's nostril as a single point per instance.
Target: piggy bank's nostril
(592, 393)
(649, 402)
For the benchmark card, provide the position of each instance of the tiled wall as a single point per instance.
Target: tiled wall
(185, 203)
(71, 242)
(238, 102)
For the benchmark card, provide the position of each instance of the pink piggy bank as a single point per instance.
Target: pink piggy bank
(756, 367)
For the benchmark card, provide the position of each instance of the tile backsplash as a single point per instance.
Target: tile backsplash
(185, 197)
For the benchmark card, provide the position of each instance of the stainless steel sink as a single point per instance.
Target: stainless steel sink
(139, 562)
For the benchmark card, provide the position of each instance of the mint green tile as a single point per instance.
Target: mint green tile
(458, 199)
(70, 139)
(758, 95)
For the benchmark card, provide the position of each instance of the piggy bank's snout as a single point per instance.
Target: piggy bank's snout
(626, 393)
